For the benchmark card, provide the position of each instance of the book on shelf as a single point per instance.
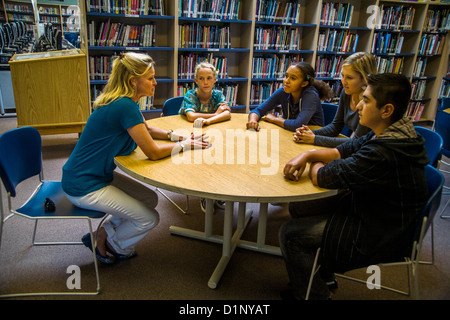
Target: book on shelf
(337, 40)
(261, 91)
(387, 43)
(414, 110)
(107, 34)
(329, 67)
(419, 67)
(195, 35)
(273, 67)
(277, 38)
(187, 64)
(418, 89)
(129, 7)
(444, 92)
(389, 64)
(431, 44)
(209, 9)
(278, 11)
(230, 91)
(395, 17)
(336, 14)
(437, 20)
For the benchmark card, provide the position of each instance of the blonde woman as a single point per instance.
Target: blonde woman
(116, 127)
(355, 71)
(205, 105)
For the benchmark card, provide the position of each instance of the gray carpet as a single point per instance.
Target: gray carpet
(170, 267)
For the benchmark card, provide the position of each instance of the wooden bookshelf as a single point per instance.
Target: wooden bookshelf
(262, 37)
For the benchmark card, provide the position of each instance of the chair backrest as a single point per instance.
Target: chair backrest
(329, 111)
(435, 182)
(172, 106)
(433, 144)
(20, 156)
(442, 126)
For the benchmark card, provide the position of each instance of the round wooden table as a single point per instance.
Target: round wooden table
(240, 166)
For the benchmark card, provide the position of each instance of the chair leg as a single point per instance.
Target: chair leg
(171, 201)
(443, 209)
(314, 270)
(76, 293)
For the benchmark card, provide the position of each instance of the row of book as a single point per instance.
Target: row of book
(337, 41)
(273, 67)
(395, 17)
(209, 9)
(278, 11)
(119, 34)
(261, 91)
(277, 38)
(419, 67)
(437, 20)
(418, 89)
(100, 67)
(194, 35)
(18, 7)
(431, 44)
(329, 67)
(187, 64)
(444, 92)
(387, 43)
(415, 110)
(336, 14)
(390, 64)
(131, 7)
(145, 103)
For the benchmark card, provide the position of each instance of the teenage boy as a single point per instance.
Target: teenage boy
(382, 188)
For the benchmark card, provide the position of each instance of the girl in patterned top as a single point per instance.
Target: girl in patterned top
(205, 105)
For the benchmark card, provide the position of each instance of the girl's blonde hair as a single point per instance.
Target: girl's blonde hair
(126, 66)
(362, 63)
(206, 65)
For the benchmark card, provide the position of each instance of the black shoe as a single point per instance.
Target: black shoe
(86, 239)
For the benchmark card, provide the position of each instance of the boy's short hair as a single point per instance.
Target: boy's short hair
(391, 88)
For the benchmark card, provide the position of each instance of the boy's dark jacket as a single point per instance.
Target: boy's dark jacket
(383, 187)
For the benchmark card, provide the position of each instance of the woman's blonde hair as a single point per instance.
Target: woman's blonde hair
(206, 65)
(362, 63)
(126, 66)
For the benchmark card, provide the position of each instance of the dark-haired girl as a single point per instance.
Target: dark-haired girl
(299, 98)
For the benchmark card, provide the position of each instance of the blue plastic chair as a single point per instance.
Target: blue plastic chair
(329, 112)
(21, 159)
(172, 106)
(433, 144)
(435, 182)
(442, 126)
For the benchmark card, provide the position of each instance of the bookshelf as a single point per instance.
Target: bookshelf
(253, 41)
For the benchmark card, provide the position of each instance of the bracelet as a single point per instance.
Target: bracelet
(181, 145)
(169, 134)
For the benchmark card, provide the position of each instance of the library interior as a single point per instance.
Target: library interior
(56, 58)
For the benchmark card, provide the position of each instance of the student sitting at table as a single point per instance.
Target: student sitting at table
(300, 100)
(383, 188)
(205, 105)
(115, 128)
(355, 70)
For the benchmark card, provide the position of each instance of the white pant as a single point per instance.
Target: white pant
(130, 219)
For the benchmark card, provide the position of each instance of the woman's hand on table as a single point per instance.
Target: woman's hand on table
(294, 169)
(304, 135)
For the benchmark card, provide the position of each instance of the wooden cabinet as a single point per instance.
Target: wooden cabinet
(51, 90)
